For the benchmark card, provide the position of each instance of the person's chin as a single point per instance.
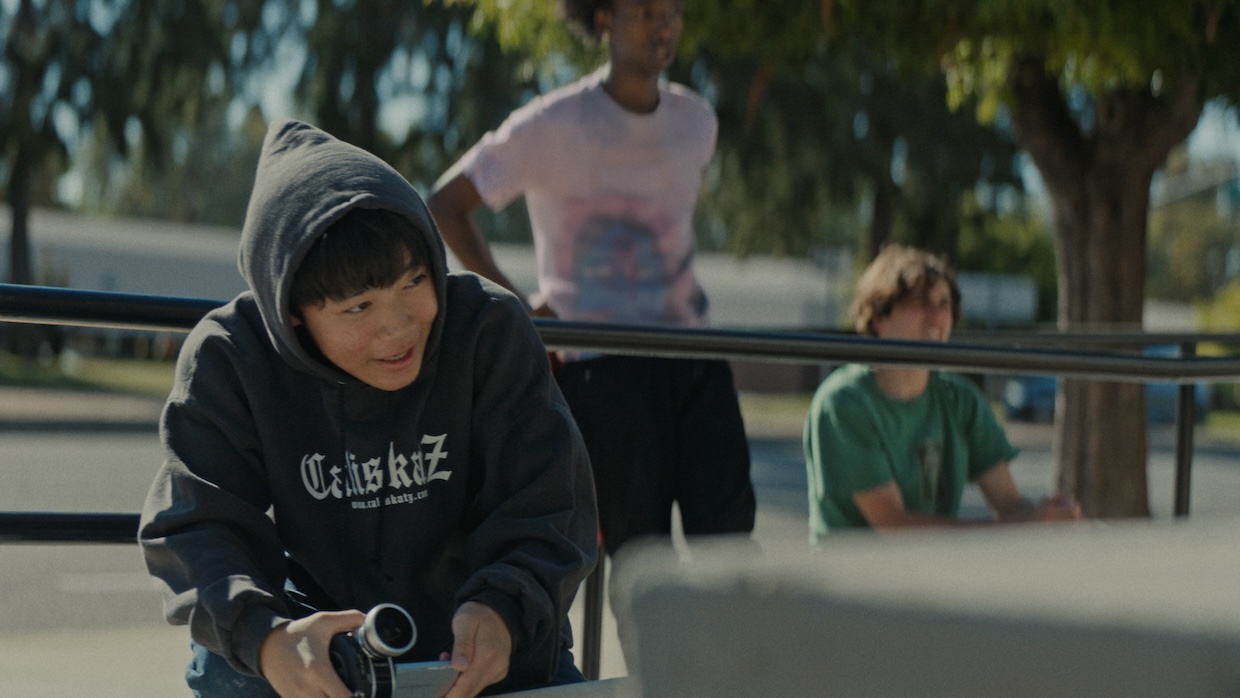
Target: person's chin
(392, 381)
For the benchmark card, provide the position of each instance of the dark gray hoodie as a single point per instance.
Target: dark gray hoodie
(282, 471)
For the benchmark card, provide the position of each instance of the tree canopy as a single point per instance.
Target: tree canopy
(130, 70)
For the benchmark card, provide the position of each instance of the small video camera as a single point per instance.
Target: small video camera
(365, 658)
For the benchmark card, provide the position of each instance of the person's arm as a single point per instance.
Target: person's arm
(452, 205)
(883, 508)
(1010, 506)
(533, 535)
(204, 530)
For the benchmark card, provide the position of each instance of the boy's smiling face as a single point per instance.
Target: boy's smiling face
(920, 317)
(377, 336)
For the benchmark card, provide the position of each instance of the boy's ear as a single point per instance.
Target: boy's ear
(295, 318)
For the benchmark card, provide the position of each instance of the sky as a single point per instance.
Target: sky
(1217, 133)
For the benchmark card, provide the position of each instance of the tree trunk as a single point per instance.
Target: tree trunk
(19, 228)
(28, 55)
(882, 216)
(1100, 443)
(20, 339)
(1098, 179)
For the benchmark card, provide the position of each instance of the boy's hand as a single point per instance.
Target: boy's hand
(481, 649)
(1060, 507)
(294, 658)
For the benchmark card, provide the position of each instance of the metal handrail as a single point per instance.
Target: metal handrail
(44, 305)
(67, 527)
(801, 347)
(58, 306)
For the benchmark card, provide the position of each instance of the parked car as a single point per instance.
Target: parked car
(1032, 399)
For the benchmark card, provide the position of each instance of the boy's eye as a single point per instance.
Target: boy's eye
(354, 309)
(416, 278)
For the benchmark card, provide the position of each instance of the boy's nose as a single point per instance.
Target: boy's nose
(396, 319)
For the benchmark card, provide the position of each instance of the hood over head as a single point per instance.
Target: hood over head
(307, 180)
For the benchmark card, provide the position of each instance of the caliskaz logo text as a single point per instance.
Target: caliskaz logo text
(394, 473)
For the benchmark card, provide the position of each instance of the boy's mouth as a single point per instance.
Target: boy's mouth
(665, 51)
(398, 358)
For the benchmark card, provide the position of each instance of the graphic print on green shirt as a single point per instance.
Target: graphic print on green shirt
(929, 457)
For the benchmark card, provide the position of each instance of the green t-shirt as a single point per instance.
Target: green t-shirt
(856, 438)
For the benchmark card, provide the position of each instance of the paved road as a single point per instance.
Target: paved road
(84, 620)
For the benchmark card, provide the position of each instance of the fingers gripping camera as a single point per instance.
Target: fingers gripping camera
(365, 659)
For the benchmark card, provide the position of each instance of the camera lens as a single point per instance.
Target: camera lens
(387, 631)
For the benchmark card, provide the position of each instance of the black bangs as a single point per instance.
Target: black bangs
(366, 248)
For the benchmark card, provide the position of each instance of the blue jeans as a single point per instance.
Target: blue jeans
(211, 676)
(567, 672)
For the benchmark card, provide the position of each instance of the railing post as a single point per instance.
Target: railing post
(1185, 422)
(592, 625)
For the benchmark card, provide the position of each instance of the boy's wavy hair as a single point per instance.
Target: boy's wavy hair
(579, 14)
(896, 274)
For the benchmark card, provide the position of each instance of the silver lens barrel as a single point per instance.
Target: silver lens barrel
(388, 631)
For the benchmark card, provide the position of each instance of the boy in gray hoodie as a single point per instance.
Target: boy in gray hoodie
(363, 427)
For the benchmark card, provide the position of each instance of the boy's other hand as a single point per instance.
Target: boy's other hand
(294, 658)
(1060, 507)
(480, 651)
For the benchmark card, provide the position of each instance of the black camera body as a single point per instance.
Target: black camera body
(365, 659)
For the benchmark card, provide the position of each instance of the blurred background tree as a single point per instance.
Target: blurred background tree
(408, 81)
(1194, 229)
(128, 71)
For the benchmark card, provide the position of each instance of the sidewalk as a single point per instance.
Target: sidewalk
(55, 409)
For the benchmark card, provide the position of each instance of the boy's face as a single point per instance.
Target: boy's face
(379, 335)
(925, 318)
(643, 34)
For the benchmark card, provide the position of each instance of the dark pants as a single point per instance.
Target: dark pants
(211, 676)
(660, 431)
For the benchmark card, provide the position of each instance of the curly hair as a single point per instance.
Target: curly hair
(898, 273)
(580, 16)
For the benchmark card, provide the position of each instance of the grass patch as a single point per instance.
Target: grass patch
(1223, 424)
(136, 376)
(76, 372)
(36, 373)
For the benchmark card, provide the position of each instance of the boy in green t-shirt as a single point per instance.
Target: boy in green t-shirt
(891, 447)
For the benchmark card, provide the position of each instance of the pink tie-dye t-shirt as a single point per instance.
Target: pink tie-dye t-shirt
(611, 196)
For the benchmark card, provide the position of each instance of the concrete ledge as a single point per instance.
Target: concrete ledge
(1087, 610)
